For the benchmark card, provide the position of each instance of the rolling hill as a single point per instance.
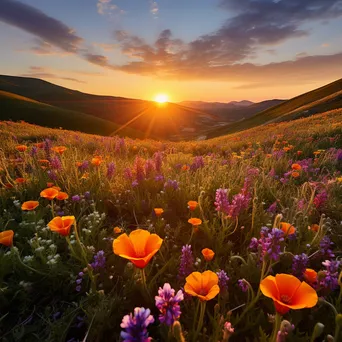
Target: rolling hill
(316, 101)
(169, 121)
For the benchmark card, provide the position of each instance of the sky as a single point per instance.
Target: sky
(200, 50)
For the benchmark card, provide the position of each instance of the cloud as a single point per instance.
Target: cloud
(32, 20)
(40, 72)
(105, 46)
(107, 7)
(154, 9)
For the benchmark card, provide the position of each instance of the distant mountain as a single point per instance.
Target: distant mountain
(168, 121)
(313, 102)
(216, 105)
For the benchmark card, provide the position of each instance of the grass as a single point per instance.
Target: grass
(39, 298)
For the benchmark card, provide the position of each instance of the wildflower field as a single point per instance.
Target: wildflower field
(237, 238)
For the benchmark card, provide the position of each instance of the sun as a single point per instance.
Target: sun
(161, 98)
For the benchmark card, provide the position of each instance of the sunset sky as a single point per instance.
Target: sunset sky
(208, 50)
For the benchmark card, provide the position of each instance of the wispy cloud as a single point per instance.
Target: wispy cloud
(107, 7)
(32, 20)
(154, 9)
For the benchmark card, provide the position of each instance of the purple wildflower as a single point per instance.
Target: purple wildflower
(223, 279)
(87, 195)
(197, 163)
(158, 160)
(168, 304)
(171, 184)
(299, 264)
(52, 175)
(99, 260)
(221, 201)
(136, 324)
(47, 147)
(186, 262)
(33, 151)
(149, 168)
(159, 178)
(56, 163)
(239, 203)
(330, 279)
(120, 145)
(76, 198)
(325, 246)
(84, 166)
(139, 169)
(272, 208)
(243, 284)
(128, 174)
(110, 170)
(320, 200)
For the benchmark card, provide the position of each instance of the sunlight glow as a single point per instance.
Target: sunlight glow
(161, 98)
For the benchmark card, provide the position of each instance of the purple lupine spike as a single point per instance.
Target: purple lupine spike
(186, 262)
(158, 161)
(110, 170)
(99, 260)
(331, 273)
(167, 303)
(221, 201)
(299, 264)
(223, 279)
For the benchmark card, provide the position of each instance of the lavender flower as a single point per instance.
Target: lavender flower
(56, 163)
(47, 148)
(299, 264)
(110, 170)
(223, 279)
(128, 174)
(52, 175)
(186, 262)
(158, 160)
(325, 246)
(99, 260)
(221, 201)
(84, 166)
(320, 200)
(149, 168)
(243, 284)
(272, 208)
(87, 195)
(171, 184)
(33, 151)
(120, 145)
(197, 163)
(76, 198)
(136, 325)
(168, 304)
(139, 169)
(159, 178)
(330, 279)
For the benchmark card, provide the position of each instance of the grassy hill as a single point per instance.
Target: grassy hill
(16, 107)
(168, 121)
(316, 101)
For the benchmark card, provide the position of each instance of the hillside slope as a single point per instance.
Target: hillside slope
(16, 107)
(316, 101)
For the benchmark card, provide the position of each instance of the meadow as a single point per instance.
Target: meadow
(238, 238)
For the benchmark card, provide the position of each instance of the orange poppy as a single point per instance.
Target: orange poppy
(139, 247)
(20, 180)
(185, 167)
(208, 254)
(21, 148)
(78, 164)
(288, 292)
(202, 285)
(44, 161)
(299, 153)
(117, 230)
(39, 145)
(287, 228)
(62, 196)
(314, 227)
(158, 211)
(8, 185)
(29, 205)
(296, 167)
(59, 149)
(57, 188)
(192, 205)
(295, 174)
(49, 193)
(195, 221)
(61, 224)
(310, 276)
(6, 238)
(96, 161)
(49, 184)
(85, 175)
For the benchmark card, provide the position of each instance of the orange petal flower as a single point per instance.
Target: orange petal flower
(287, 228)
(20, 180)
(49, 184)
(62, 196)
(21, 148)
(39, 145)
(192, 205)
(185, 167)
(29, 205)
(44, 161)
(195, 221)
(6, 237)
(295, 174)
(310, 276)
(59, 149)
(314, 227)
(208, 254)
(96, 161)
(117, 230)
(158, 211)
(202, 285)
(61, 224)
(288, 292)
(139, 247)
(296, 167)
(299, 153)
(8, 185)
(49, 193)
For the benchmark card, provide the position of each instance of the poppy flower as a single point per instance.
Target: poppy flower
(61, 224)
(21, 148)
(192, 205)
(314, 227)
(310, 275)
(208, 254)
(44, 161)
(39, 145)
(59, 149)
(49, 193)
(30, 205)
(20, 180)
(85, 175)
(139, 247)
(57, 188)
(195, 221)
(96, 161)
(295, 174)
(202, 285)
(62, 196)
(296, 167)
(6, 238)
(158, 211)
(299, 153)
(117, 230)
(185, 167)
(8, 185)
(49, 184)
(287, 228)
(288, 292)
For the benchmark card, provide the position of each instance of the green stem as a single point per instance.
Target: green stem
(52, 211)
(144, 283)
(201, 318)
(276, 328)
(28, 267)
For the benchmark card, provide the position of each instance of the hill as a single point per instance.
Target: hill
(16, 107)
(316, 101)
(169, 121)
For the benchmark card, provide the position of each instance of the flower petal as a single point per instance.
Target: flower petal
(305, 297)
(194, 280)
(139, 239)
(269, 288)
(213, 292)
(153, 244)
(287, 284)
(122, 245)
(209, 279)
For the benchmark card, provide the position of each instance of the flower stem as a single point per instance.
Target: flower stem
(52, 211)
(200, 320)
(276, 328)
